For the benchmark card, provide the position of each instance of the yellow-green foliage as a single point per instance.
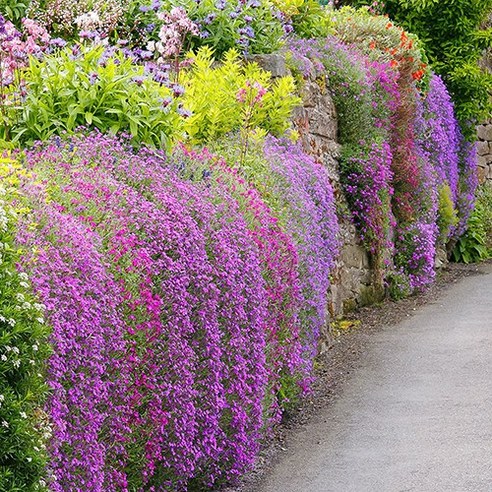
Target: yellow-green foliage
(212, 94)
(447, 217)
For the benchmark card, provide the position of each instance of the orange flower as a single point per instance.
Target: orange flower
(393, 63)
(389, 25)
(372, 45)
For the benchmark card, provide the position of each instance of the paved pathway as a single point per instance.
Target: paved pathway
(417, 414)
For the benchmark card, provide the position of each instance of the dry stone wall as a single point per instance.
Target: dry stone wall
(484, 147)
(316, 122)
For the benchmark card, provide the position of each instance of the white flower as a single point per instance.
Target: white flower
(23, 415)
(5, 424)
(40, 320)
(3, 357)
(24, 284)
(11, 322)
(2, 398)
(35, 347)
(20, 297)
(15, 350)
(29, 459)
(23, 276)
(151, 46)
(16, 363)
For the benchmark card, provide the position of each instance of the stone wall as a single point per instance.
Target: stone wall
(485, 130)
(485, 152)
(316, 122)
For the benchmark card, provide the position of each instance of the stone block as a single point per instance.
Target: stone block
(483, 148)
(485, 132)
(482, 161)
(322, 123)
(310, 94)
(482, 173)
(353, 256)
(273, 63)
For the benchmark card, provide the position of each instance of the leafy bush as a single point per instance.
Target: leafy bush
(218, 97)
(476, 243)
(23, 350)
(472, 245)
(447, 218)
(91, 87)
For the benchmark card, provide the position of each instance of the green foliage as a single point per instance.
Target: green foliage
(472, 246)
(447, 214)
(212, 93)
(14, 10)
(476, 244)
(65, 92)
(398, 285)
(23, 349)
(484, 197)
(454, 43)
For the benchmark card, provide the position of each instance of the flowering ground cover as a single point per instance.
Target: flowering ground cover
(167, 246)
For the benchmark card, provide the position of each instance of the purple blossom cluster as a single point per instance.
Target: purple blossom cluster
(304, 188)
(181, 309)
(439, 136)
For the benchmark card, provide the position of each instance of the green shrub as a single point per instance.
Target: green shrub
(472, 246)
(67, 90)
(476, 244)
(218, 97)
(23, 349)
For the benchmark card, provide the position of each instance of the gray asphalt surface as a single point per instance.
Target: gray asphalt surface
(415, 416)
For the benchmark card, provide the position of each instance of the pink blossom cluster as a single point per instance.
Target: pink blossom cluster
(252, 93)
(175, 26)
(16, 47)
